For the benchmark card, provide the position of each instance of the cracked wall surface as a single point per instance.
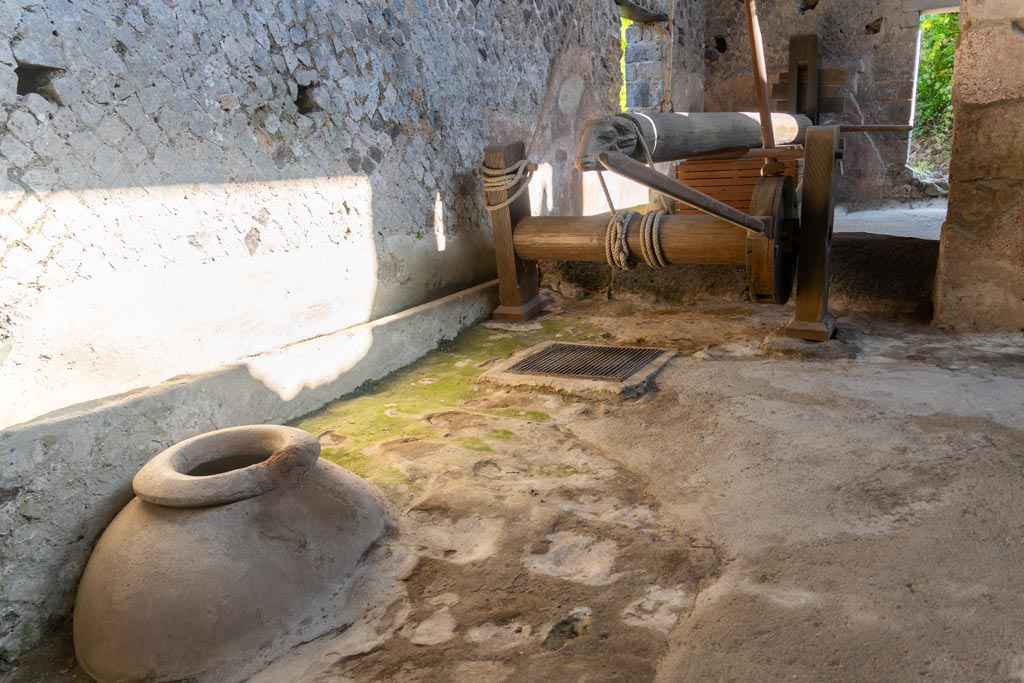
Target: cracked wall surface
(875, 41)
(185, 184)
(980, 284)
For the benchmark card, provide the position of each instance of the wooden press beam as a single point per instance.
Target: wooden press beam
(684, 239)
(518, 280)
(672, 136)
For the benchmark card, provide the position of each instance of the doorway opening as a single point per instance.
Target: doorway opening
(932, 139)
(624, 24)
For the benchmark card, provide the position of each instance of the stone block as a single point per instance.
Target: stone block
(23, 126)
(15, 151)
(977, 11)
(8, 85)
(989, 63)
(987, 144)
(645, 52)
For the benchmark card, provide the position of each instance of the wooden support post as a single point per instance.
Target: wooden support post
(812, 320)
(518, 281)
(803, 58)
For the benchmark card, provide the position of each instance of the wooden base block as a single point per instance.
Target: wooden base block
(519, 314)
(819, 331)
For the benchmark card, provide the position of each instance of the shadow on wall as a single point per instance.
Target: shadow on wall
(58, 493)
(302, 181)
(183, 186)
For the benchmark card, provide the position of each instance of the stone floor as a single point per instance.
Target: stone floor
(840, 512)
(922, 220)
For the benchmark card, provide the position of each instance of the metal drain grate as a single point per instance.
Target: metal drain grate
(586, 361)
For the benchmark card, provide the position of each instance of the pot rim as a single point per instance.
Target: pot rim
(165, 480)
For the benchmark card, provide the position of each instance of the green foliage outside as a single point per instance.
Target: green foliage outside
(622, 63)
(933, 128)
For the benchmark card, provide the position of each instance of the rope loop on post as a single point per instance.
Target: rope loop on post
(504, 179)
(650, 245)
(616, 240)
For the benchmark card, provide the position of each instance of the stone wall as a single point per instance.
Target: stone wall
(185, 184)
(647, 46)
(981, 267)
(875, 41)
(646, 49)
(211, 167)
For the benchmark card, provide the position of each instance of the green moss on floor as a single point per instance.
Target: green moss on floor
(474, 443)
(519, 414)
(397, 406)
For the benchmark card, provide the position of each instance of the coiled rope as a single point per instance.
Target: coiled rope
(616, 239)
(650, 245)
(616, 236)
(503, 179)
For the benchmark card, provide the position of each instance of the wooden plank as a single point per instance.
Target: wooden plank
(825, 76)
(741, 204)
(779, 91)
(701, 174)
(732, 195)
(683, 210)
(713, 183)
(745, 162)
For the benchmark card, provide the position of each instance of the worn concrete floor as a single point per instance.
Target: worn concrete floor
(841, 512)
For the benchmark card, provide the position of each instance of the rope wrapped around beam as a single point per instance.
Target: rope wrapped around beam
(650, 226)
(616, 239)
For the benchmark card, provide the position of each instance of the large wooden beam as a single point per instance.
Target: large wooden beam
(676, 135)
(684, 239)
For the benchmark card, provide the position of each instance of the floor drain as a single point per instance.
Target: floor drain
(586, 369)
(586, 361)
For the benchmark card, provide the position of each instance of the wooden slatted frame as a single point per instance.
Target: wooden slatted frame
(731, 181)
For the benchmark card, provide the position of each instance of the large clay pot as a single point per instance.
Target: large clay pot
(234, 544)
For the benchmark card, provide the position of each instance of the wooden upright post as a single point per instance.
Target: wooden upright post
(518, 280)
(803, 56)
(760, 75)
(812, 321)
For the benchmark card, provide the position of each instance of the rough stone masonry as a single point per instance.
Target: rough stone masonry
(183, 184)
(875, 41)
